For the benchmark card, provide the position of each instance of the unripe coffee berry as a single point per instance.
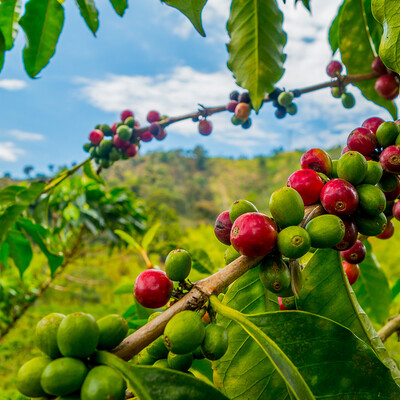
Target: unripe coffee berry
(178, 265)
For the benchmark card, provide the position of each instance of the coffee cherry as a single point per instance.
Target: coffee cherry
(244, 98)
(253, 234)
(215, 342)
(372, 123)
(318, 160)
(96, 136)
(158, 349)
(370, 225)
(388, 211)
(388, 182)
(46, 334)
(374, 173)
(119, 143)
(232, 106)
(352, 272)
(230, 255)
(113, 329)
(222, 228)
(126, 114)
(114, 127)
(293, 242)
(247, 124)
(132, 150)
(180, 362)
(390, 159)
(152, 288)
(333, 173)
(286, 207)
(396, 210)
(106, 130)
(336, 92)
(372, 199)
(236, 121)
(28, 377)
(394, 194)
(325, 231)
(378, 66)
(352, 167)
(87, 147)
(275, 276)
(162, 363)
(339, 197)
(334, 69)
(350, 236)
(388, 232)
(348, 100)
(308, 184)
(362, 140)
(281, 305)
(291, 109)
(387, 87)
(205, 127)
(234, 95)
(387, 133)
(242, 111)
(153, 116)
(155, 129)
(345, 150)
(280, 112)
(356, 254)
(124, 132)
(146, 136)
(240, 207)
(162, 135)
(178, 265)
(285, 98)
(286, 303)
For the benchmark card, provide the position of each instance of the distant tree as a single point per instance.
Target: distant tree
(201, 157)
(51, 167)
(27, 170)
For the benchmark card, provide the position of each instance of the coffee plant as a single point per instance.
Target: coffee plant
(281, 319)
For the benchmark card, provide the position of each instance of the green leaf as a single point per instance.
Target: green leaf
(149, 235)
(357, 52)
(201, 261)
(29, 194)
(320, 349)
(129, 239)
(387, 12)
(8, 195)
(256, 48)
(41, 211)
(20, 250)
(42, 22)
(327, 292)
(4, 252)
(9, 12)
(395, 289)
(126, 288)
(89, 13)
(334, 31)
(90, 173)
(38, 234)
(192, 9)
(372, 288)
(170, 385)
(119, 6)
(374, 27)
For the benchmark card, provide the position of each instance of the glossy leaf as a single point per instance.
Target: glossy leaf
(89, 13)
(150, 383)
(387, 12)
(8, 195)
(119, 6)
(149, 235)
(334, 31)
(9, 12)
(129, 239)
(372, 288)
(192, 9)
(20, 250)
(256, 47)
(356, 51)
(90, 173)
(41, 211)
(334, 362)
(42, 22)
(327, 292)
(374, 27)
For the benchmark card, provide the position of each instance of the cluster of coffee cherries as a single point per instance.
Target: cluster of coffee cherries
(240, 105)
(123, 142)
(66, 368)
(189, 335)
(283, 101)
(334, 70)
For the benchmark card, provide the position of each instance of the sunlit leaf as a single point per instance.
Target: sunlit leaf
(89, 13)
(20, 250)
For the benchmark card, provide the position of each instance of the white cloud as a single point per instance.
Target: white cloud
(9, 152)
(22, 135)
(12, 84)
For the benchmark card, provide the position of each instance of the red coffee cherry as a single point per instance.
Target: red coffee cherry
(350, 236)
(378, 66)
(372, 123)
(396, 210)
(146, 136)
(390, 159)
(152, 288)
(334, 69)
(126, 114)
(153, 116)
(317, 160)
(387, 87)
(308, 184)
(362, 140)
(205, 127)
(132, 150)
(352, 272)
(222, 228)
(96, 136)
(253, 234)
(388, 232)
(232, 106)
(355, 254)
(119, 143)
(162, 135)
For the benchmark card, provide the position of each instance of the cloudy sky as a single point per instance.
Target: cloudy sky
(152, 58)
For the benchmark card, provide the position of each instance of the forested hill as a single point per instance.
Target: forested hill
(198, 187)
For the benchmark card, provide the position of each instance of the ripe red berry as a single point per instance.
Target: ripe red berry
(345, 150)
(350, 236)
(356, 254)
(162, 135)
(232, 105)
(334, 69)
(119, 143)
(154, 129)
(153, 116)
(318, 160)
(352, 272)
(396, 210)
(387, 87)
(373, 123)
(96, 136)
(222, 228)
(390, 159)
(152, 288)
(393, 194)
(378, 66)
(388, 232)
(114, 127)
(146, 136)
(308, 184)
(281, 306)
(253, 234)
(339, 197)
(126, 114)
(362, 140)
(205, 127)
(132, 150)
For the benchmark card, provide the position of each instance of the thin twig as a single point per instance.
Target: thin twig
(391, 327)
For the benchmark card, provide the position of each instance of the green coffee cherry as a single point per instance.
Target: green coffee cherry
(287, 207)
(178, 265)
(275, 276)
(370, 225)
(293, 242)
(388, 182)
(114, 155)
(157, 349)
(105, 148)
(325, 231)
(285, 98)
(291, 109)
(87, 147)
(333, 174)
(236, 121)
(46, 334)
(106, 130)
(240, 207)
(348, 100)
(231, 255)
(198, 354)
(124, 132)
(113, 329)
(352, 167)
(215, 342)
(184, 332)
(289, 303)
(144, 358)
(372, 201)
(336, 92)
(154, 315)
(180, 362)
(387, 133)
(130, 122)
(162, 363)
(374, 173)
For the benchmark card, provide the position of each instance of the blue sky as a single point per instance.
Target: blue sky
(152, 58)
